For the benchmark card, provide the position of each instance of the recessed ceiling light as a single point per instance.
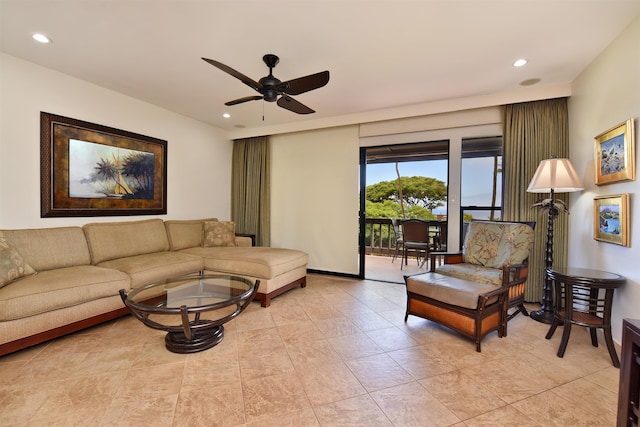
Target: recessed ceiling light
(41, 38)
(520, 63)
(226, 115)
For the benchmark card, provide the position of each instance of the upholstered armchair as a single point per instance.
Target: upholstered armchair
(494, 253)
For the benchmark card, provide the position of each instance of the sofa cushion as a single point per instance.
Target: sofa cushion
(450, 290)
(219, 233)
(150, 268)
(40, 247)
(258, 262)
(54, 289)
(515, 245)
(113, 240)
(472, 272)
(12, 264)
(481, 243)
(184, 234)
(494, 244)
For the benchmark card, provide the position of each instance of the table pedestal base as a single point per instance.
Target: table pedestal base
(542, 316)
(177, 342)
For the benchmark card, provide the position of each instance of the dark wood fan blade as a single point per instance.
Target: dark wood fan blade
(291, 104)
(238, 75)
(307, 83)
(241, 100)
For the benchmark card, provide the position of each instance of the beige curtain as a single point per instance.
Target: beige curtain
(250, 188)
(532, 132)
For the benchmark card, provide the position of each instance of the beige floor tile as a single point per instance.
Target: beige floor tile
(215, 406)
(259, 340)
(337, 327)
(289, 313)
(528, 376)
(422, 362)
(81, 417)
(19, 402)
(378, 372)
(254, 319)
(321, 312)
(462, 395)
(412, 405)
(150, 383)
(263, 364)
(268, 397)
(72, 395)
(312, 353)
(551, 409)
(506, 416)
(590, 397)
(202, 373)
(355, 346)
(348, 309)
(390, 339)
(329, 383)
(370, 321)
(158, 412)
(294, 333)
(356, 411)
(609, 378)
(305, 417)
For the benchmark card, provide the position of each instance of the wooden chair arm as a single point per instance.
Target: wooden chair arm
(500, 292)
(518, 271)
(447, 257)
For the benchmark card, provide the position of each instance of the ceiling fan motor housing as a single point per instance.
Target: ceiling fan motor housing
(270, 88)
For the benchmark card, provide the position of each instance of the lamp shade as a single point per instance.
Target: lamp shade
(557, 175)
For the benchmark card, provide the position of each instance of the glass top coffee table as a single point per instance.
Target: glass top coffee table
(192, 308)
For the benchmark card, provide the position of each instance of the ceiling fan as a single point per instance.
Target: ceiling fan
(272, 89)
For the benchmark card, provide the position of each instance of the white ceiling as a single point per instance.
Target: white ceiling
(381, 54)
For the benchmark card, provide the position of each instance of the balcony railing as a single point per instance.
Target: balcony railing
(379, 237)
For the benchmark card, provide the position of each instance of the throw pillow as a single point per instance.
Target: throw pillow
(12, 265)
(219, 233)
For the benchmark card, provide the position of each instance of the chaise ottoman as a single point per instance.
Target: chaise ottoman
(470, 308)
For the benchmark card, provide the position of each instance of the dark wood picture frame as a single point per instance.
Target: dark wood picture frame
(88, 169)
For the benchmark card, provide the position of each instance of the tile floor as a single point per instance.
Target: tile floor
(336, 353)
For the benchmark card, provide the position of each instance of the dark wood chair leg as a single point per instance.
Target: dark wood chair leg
(612, 350)
(594, 336)
(565, 339)
(552, 329)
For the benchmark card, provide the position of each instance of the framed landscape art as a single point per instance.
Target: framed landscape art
(93, 170)
(611, 219)
(615, 154)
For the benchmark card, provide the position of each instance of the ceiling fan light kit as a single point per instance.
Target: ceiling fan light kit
(272, 89)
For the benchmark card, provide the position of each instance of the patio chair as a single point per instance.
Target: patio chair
(415, 235)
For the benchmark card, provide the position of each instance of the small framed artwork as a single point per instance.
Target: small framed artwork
(615, 155)
(94, 170)
(611, 219)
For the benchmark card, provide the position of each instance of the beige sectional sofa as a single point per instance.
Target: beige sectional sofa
(80, 270)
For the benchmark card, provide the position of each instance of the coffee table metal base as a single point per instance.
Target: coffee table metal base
(177, 342)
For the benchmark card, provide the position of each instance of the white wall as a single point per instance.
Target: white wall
(606, 94)
(314, 196)
(198, 160)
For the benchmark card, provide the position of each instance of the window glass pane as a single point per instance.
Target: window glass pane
(478, 186)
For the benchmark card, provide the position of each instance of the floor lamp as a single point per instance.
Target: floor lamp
(552, 176)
